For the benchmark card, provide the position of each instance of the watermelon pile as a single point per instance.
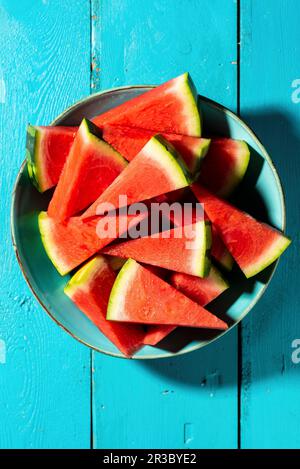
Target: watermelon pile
(135, 281)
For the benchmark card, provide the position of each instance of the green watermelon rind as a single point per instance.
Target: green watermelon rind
(188, 91)
(201, 259)
(272, 254)
(117, 294)
(166, 155)
(83, 276)
(226, 261)
(50, 247)
(33, 141)
(205, 265)
(239, 170)
(218, 279)
(94, 134)
(200, 152)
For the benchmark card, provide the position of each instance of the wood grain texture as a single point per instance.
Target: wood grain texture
(187, 402)
(191, 401)
(44, 374)
(270, 51)
(184, 402)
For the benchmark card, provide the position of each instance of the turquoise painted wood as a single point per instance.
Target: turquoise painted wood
(270, 92)
(184, 402)
(191, 401)
(50, 58)
(44, 374)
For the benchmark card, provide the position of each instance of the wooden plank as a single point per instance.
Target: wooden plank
(270, 91)
(184, 402)
(44, 374)
(191, 401)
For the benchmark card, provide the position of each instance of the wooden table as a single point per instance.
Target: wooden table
(241, 391)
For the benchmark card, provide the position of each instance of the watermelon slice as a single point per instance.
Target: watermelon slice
(200, 290)
(89, 289)
(225, 165)
(91, 167)
(171, 107)
(155, 170)
(47, 149)
(179, 249)
(254, 245)
(70, 243)
(129, 141)
(154, 301)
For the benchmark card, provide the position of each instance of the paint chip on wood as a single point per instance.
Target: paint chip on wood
(2, 91)
(188, 433)
(2, 352)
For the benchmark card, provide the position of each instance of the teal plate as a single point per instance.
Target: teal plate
(260, 194)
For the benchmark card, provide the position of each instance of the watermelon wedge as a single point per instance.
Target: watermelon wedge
(129, 141)
(224, 166)
(155, 170)
(47, 149)
(89, 289)
(200, 290)
(70, 243)
(154, 301)
(254, 245)
(91, 167)
(171, 107)
(179, 249)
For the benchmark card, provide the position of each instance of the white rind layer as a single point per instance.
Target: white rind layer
(267, 257)
(123, 282)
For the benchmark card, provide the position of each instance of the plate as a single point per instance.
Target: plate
(260, 194)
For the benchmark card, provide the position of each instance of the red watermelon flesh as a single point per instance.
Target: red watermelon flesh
(89, 289)
(170, 197)
(171, 107)
(200, 290)
(47, 149)
(117, 263)
(218, 249)
(181, 250)
(140, 296)
(70, 243)
(155, 170)
(224, 165)
(91, 167)
(254, 245)
(129, 141)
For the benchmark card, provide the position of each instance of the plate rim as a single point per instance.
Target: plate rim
(195, 347)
